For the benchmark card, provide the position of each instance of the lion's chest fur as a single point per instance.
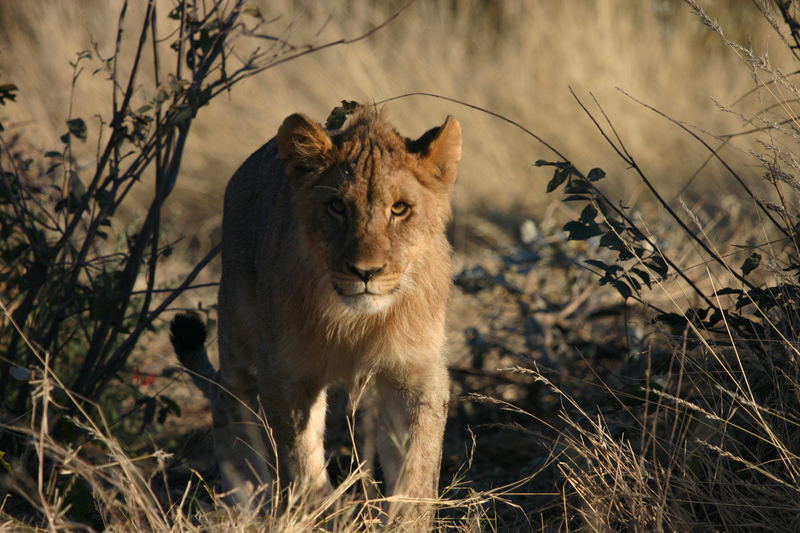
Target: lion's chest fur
(325, 338)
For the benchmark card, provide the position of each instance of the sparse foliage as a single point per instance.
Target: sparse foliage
(705, 411)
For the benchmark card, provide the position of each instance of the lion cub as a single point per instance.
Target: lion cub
(335, 268)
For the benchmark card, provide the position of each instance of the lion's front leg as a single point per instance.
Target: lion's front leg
(239, 443)
(295, 412)
(239, 440)
(411, 429)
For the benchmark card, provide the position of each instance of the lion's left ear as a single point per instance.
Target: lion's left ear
(303, 144)
(441, 147)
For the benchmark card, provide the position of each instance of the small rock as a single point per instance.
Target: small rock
(528, 231)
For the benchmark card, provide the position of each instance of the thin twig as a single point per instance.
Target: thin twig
(249, 69)
(724, 163)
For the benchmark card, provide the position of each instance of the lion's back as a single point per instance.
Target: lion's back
(253, 207)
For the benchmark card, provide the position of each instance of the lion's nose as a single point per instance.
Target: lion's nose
(364, 274)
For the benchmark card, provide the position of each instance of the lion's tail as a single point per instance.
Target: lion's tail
(188, 336)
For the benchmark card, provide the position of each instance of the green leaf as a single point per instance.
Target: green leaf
(577, 186)
(675, 321)
(5, 464)
(714, 319)
(171, 405)
(697, 314)
(176, 13)
(149, 412)
(596, 174)
(658, 265)
(611, 241)
(76, 188)
(8, 92)
(727, 290)
(588, 214)
(751, 263)
(576, 198)
(180, 116)
(162, 95)
(644, 276)
(609, 269)
(622, 288)
(637, 235)
(579, 231)
(54, 155)
(559, 176)
(634, 283)
(77, 127)
(604, 207)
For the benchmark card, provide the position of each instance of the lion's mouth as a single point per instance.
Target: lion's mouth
(362, 291)
(369, 297)
(342, 292)
(348, 286)
(366, 302)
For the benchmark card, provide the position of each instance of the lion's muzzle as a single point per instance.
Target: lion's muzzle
(366, 288)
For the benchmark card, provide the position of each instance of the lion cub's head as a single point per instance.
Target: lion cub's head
(373, 204)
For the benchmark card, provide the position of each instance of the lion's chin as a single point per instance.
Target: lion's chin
(367, 303)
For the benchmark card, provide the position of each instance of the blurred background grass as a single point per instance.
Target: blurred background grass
(515, 58)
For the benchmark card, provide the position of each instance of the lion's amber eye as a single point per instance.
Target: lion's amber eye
(336, 207)
(400, 209)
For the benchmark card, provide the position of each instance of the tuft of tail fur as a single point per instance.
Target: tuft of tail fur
(188, 337)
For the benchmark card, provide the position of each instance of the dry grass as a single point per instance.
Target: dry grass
(517, 59)
(134, 493)
(612, 424)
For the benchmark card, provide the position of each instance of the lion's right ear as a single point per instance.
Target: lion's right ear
(303, 145)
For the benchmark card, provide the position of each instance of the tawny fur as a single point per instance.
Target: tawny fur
(293, 316)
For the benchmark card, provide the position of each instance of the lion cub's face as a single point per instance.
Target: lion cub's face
(371, 202)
